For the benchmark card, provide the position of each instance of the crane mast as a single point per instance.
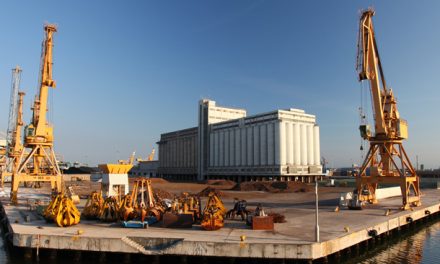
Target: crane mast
(386, 159)
(15, 126)
(16, 78)
(39, 164)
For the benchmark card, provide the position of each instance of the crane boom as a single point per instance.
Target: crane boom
(39, 130)
(368, 64)
(386, 159)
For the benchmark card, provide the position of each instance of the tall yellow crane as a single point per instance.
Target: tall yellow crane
(16, 147)
(39, 164)
(150, 157)
(3, 163)
(129, 161)
(386, 158)
(15, 126)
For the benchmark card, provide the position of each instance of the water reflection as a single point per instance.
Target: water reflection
(419, 246)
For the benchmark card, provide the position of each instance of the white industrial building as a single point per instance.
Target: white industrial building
(146, 168)
(278, 145)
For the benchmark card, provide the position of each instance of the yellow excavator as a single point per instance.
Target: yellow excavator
(386, 160)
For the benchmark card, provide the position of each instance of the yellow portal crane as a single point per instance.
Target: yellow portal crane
(149, 158)
(39, 164)
(129, 161)
(3, 163)
(15, 126)
(386, 158)
(16, 147)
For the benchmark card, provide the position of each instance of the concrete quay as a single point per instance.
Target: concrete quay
(292, 240)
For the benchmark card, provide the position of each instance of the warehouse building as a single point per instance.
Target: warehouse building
(178, 154)
(145, 168)
(279, 145)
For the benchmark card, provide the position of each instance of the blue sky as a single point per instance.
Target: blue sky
(130, 70)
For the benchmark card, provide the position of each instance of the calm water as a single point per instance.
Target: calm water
(420, 245)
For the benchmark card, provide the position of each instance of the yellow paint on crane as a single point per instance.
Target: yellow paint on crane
(386, 159)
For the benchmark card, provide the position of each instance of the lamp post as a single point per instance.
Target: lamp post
(316, 212)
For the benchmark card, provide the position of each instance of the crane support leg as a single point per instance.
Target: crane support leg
(48, 170)
(403, 175)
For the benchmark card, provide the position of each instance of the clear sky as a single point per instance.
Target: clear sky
(129, 70)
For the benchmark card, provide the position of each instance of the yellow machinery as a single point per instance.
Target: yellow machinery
(141, 202)
(214, 213)
(39, 164)
(113, 187)
(62, 211)
(129, 161)
(110, 209)
(15, 126)
(149, 158)
(187, 204)
(386, 159)
(72, 195)
(115, 179)
(94, 205)
(3, 165)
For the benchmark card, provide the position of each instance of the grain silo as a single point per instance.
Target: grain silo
(279, 145)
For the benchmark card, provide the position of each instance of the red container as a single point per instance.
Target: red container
(262, 223)
(177, 221)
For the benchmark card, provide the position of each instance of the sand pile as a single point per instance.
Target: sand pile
(158, 180)
(253, 186)
(163, 194)
(153, 180)
(221, 184)
(205, 192)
